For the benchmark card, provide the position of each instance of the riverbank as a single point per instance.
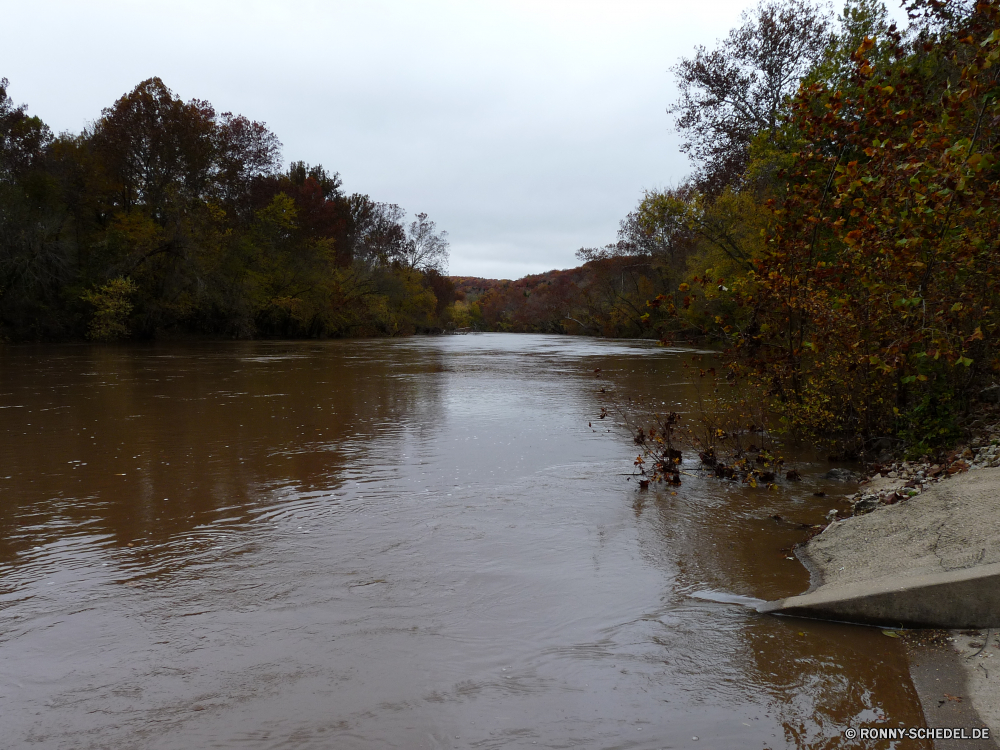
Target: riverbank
(894, 480)
(945, 526)
(926, 531)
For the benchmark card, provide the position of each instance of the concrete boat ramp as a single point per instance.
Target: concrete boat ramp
(956, 599)
(930, 561)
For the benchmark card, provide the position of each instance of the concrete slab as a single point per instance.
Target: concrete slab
(965, 598)
(931, 561)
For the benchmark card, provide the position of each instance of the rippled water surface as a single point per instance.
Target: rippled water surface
(412, 543)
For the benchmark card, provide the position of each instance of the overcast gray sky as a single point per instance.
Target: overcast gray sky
(525, 129)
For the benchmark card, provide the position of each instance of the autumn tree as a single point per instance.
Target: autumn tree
(156, 148)
(425, 248)
(35, 261)
(380, 232)
(874, 300)
(23, 137)
(246, 153)
(736, 91)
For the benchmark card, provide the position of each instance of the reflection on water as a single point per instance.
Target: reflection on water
(405, 544)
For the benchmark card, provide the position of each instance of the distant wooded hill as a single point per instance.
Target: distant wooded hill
(609, 296)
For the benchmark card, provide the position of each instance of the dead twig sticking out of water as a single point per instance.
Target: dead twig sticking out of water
(728, 431)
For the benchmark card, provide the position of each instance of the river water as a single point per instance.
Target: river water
(414, 543)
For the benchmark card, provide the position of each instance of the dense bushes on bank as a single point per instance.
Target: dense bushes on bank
(852, 264)
(840, 237)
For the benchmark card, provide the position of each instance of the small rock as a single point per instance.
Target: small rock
(957, 467)
(865, 505)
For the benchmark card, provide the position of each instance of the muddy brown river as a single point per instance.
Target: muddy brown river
(412, 543)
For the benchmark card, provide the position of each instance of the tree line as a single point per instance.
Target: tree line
(167, 218)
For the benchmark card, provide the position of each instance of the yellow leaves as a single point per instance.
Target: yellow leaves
(852, 237)
(844, 338)
(684, 287)
(290, 304)
(278, 215)
(215, 212)
(135, 232)
(879, 364)
(995, 36)
(112, 304)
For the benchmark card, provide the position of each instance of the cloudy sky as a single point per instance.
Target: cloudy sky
(525, 129)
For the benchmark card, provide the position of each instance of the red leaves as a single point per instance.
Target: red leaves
(877, 247)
